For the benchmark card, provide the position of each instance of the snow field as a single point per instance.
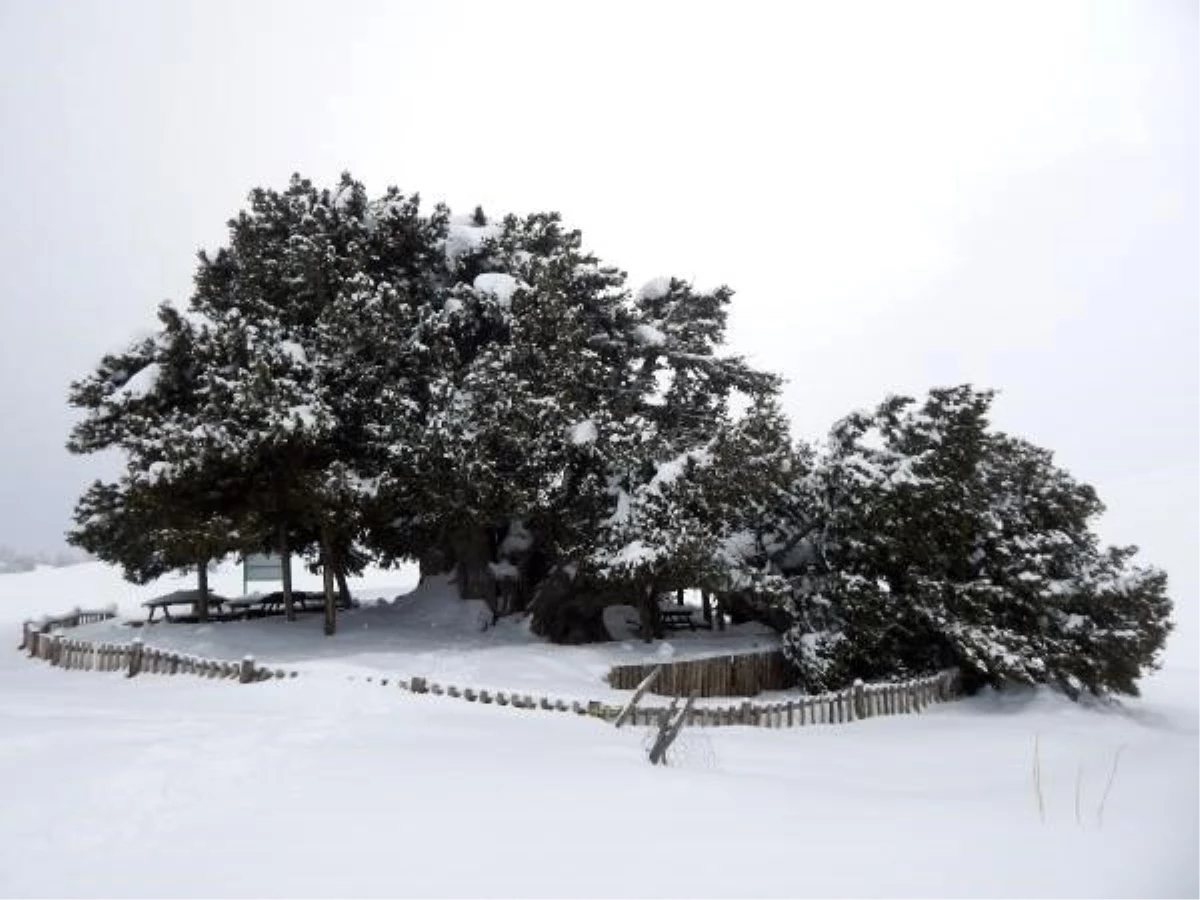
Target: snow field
(322, 786)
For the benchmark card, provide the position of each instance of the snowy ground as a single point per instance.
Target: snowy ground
(323, 786)
(400, 631)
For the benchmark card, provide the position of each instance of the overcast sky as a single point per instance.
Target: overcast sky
(902, 194)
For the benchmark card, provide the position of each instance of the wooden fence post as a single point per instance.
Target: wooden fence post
(646, 684)
(860, 700)
(135, 657)
(670, 725)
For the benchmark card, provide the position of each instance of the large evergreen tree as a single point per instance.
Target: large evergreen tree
(355, 377)
(477, 395)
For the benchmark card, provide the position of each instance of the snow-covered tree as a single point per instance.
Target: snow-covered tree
(697, 520)
(273, 379)
(354, 377)
(160, 514)
(553, 392)
(936, 541)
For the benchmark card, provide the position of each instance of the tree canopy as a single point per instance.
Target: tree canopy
(358, 378)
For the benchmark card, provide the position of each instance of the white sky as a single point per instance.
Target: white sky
(902, 194)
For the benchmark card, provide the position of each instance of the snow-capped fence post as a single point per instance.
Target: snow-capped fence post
(56, 650)
(246, 675)
(135, 657)
(860, 700)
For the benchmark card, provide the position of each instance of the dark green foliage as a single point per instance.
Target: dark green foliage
(936, 541)
(357, 379)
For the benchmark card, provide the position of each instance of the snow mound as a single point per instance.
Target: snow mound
(655, 288)
(649, 336)
(499, 284)
(462, 239)
(141, 383)
(583, 432)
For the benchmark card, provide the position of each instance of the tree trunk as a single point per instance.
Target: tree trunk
(650, 625)
(473, 551)
(720, 614)
(285, 561)
(706, 609)
(679, 597)
(327, 566)
(202, 586)
(432, 562)
(339, 572)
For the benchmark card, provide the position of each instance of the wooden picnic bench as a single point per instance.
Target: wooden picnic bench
(677, 618)
(674, 618)
(165, 604)
(273, 604)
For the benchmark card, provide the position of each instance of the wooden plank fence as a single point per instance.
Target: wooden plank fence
(734, 675)
(42, 641)
(860, 701)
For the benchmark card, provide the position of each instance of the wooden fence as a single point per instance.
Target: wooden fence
(736, 675)
(41, 641)
(860, 701)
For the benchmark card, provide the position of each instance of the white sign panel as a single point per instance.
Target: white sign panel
(261, 567)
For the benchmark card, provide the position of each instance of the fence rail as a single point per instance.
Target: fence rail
(860, 701)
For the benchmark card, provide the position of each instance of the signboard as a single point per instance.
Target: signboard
(261, 567)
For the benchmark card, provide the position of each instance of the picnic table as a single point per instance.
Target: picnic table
(186, 599)
(677, 617)
(272, 604)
